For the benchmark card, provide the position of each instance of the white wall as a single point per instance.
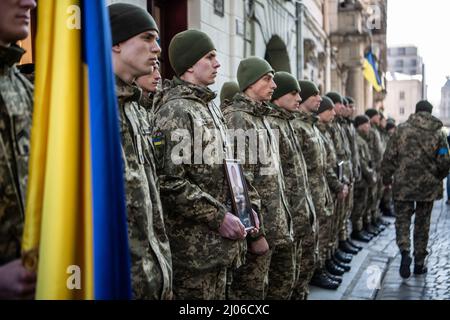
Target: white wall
(393, 103)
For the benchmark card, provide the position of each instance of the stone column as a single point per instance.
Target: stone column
(355, 88)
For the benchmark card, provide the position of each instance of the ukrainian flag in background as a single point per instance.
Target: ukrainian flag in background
(75, 225)
(371, 72)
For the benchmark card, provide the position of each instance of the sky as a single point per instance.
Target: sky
(425, 24)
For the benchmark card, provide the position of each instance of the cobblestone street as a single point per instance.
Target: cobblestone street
(375, 275)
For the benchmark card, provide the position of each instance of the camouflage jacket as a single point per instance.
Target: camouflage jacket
(384, 138)
(295, 172)
(365, 159)
(16, 102)
(151, 264)
(315, 155)
(335, 185)
(188, 138)
(376, 148)
(342, 147)
(417, 158)
(248, 119)
(350, 130)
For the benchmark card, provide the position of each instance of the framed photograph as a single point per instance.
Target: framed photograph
(240, 200)
(219, 7)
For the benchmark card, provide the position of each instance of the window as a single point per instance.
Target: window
(413, 63)
(402, 95)
(402, 111)
(401, 51)
(399, 63)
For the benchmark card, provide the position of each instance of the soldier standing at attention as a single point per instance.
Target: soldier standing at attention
(135, 50)
(16, 103)
(415, 163)
(190, 139)
(247, 113)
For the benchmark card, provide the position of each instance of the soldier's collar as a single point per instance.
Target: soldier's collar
(204, 93)
(10, 55)
(280, 112)
(127, 92)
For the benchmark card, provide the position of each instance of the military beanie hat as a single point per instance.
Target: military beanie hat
(360, 120)
(335, 97)
(325, 104)
(424, 105)
(308, 88)
(390, 125)
(188, 47)
(372, 113)
(128, 20)
(251, 70)
(228, 91)
(286, 83)
(345, 101)
(350, 100)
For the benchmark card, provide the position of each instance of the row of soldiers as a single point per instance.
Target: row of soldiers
(185, 242)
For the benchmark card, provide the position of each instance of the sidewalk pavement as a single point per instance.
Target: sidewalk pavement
(375, 276)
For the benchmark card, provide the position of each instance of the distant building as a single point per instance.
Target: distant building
(445, 102)
(405, 60)
(403, 92)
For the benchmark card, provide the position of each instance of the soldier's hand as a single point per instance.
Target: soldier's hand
(257, 223)
(16, 282)
(232, 228)
(258, 247)
(344, 193)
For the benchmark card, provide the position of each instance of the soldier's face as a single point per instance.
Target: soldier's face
(351, 110)
(290, 101)
(139, 54)
(340, 109)
(312, 103)
(365, 128)
(262, 90)
(205, 70)
(375, 120)
(327, 116)
(14, 20)
(151, 81)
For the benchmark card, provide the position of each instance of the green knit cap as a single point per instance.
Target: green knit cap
(360, 120)
(228, 91)
(335, 97)
(325, 104)
(286, 83)
(424, 106)
(188, 47)
(372, 113)
(251, 70)
(128, 20)
(309, 89)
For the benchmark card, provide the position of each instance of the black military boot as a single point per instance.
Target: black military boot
(359, 236)
(341, 264)
(371, 230)
(343, 257)
(420, 269)
(405, 264)
(353, 245)
(344, 246)
(333, 268)
(321, 280)
(338, 279)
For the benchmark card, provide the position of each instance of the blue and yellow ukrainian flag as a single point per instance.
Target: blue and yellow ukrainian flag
(371, 72)
(75, 225)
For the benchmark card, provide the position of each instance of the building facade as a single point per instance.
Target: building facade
(405, 60)
(444, 107)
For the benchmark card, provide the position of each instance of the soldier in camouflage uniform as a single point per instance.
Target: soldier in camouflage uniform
(149, 84)
(360, 210)
(206, 238)
(151, 265)
(416, 161)
(338, 188)
(227, 93)
(16, 101)
(387, 206)
(344, 156)
(376, 150)
(314, 152)
(248, 112)
(285, 103)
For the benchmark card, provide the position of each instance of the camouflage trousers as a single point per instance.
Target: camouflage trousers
(325, 238)
(339, 204)
(375, 195)
(282, 272)
(250, 281)
(344, 211)
(309, 257)
(191, 284)
(387, 198)
(360, 212)
(404, 212)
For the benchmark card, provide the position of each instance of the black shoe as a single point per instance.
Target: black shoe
(343, 257)
(333, 268)
(370, 230)
(353, 245)
(405, 271)
(338, 279)
(341, 264)
(420, 269)
(344, 246)
(359, 236)
(366, 234)
(321, 280)
(383, 222)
